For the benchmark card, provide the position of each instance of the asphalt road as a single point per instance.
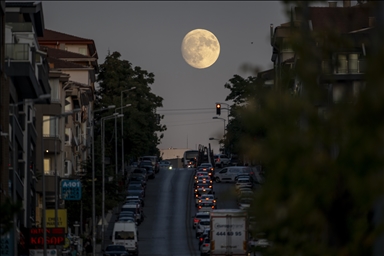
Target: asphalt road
(169, 210)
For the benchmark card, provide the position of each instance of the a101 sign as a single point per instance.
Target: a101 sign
(71, 190)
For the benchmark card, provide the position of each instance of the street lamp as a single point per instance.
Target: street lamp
(128, 105)
(93, 178)
(215, 117)
(122, 130)
(103, 119)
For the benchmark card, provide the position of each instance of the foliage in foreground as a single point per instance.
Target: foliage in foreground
(324, 172)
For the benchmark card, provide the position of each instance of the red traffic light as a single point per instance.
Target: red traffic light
(218, 109)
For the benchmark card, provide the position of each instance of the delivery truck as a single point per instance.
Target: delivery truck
(229, 232)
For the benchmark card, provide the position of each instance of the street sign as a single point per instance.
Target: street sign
(71, 189)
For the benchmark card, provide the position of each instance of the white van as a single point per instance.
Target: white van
(125, 233)
(229, 174)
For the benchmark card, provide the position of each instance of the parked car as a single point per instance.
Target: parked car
(117, 250)
(141, 171)
(154, 161)
(230, 174)
(149, 171)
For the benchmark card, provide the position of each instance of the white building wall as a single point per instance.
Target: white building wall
(80, 76)
(78, 48)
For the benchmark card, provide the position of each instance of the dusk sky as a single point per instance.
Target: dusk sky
(149, 35)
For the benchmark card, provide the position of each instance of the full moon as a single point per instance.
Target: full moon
(200, 48)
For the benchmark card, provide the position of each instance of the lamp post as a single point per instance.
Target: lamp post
(215, 117)
(43, 175)
(122, 129)
(103, 119)
(93, 178)
(116, 139)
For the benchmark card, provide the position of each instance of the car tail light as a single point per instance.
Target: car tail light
(195, 220)
(199, 206)
(197, 195)
(195, 190)
(205, 245)
(213, 207)
(209, 173)
(201, 239)
(214, 201)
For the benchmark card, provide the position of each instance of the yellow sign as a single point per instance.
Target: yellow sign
(61, 218)
(67, 243)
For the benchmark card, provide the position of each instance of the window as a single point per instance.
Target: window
(50, 126)
(223, 171)
(47, 165)
(124, 235)
(342, 64)
(55, 89)
(353, 63)
(348, 63)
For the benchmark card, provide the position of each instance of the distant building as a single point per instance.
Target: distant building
(172, 153)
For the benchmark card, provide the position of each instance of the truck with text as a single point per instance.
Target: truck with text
(229, 232)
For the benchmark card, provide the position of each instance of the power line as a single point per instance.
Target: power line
(184, 109)
(188, 124)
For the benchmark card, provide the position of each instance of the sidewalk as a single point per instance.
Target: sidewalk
(110, 221)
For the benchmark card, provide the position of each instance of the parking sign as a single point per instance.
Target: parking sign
(71, 189)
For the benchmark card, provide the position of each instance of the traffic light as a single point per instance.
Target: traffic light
(218, 109)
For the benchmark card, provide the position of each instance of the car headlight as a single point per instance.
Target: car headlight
(170, 167)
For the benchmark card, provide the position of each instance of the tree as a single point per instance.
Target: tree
(140, 119)
(324, 172)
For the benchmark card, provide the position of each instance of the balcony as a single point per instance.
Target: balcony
(345, 70)
(20, 66)
(22, 27)
(49, 143)
(50, 182)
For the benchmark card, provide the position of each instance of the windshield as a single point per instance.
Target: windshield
(204, 223)
(124, 235)
(191, 154)
(135, 187)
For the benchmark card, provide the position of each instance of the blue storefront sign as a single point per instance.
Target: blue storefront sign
(6, 244)
(71, 189)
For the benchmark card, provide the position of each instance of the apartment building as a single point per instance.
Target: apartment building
(26, 84)
(76, 57)
(343, 69)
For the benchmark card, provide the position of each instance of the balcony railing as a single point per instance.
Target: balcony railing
(21, 26)
(19, 52)
(344, 67)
